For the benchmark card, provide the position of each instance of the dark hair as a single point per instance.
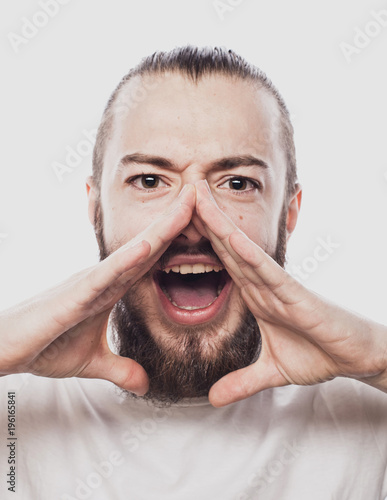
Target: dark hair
(195, 62)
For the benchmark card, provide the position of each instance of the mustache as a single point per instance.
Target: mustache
(204, 248)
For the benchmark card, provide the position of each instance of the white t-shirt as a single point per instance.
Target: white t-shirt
(81, 439)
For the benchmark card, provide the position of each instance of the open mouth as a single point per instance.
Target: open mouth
(192, 287)
(192, 292)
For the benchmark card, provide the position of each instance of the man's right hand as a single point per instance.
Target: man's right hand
(62, 331)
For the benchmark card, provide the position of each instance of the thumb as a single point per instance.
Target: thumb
(124, 372)
(245, 382)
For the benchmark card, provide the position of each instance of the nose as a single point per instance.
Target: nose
(190, 236)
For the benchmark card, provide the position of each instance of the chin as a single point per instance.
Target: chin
(183, 359)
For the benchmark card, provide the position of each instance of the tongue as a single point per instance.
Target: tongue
(198, 293)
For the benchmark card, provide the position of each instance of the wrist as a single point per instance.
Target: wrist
(378, 378)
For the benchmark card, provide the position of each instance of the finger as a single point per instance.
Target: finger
(124, 372)
(88, 292)
(220, 249)
(115, 266)
(168, 226)
(251, 262)
(72, 301)
(103, 285)
(200, 227)
(107, 281)
(246, 382)
(226, 256)
(219, 229)
(209, 211)
(253, 258)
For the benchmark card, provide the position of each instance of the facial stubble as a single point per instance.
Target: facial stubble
(185, 361)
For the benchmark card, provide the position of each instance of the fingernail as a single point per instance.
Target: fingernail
(208, 187)
(185, 189)
(135, 244)
(140, 393)
(200, 189)
(208, 190)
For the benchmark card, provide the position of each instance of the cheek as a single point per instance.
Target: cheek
(126, 218)
(253, 220)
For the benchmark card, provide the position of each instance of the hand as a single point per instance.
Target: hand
(62, 332)
(305, 339)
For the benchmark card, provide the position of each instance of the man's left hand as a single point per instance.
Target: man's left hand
(305, 339)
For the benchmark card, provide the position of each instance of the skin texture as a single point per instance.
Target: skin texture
(305, 339)
(193, 126)
(62, 331)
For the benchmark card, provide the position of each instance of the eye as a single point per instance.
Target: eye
(146, 181)
(149, 181)
(241, 184)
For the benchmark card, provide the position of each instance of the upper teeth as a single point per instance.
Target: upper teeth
(193, 269)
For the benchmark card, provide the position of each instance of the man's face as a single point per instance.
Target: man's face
(227, 132)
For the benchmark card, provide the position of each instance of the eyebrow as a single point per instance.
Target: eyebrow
(226, 163)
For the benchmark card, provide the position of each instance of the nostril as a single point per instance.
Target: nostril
(190, 234)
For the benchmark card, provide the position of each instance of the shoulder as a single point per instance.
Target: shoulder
(45, 394)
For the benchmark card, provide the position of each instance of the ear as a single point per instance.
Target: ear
(293, 211)
(92, 197)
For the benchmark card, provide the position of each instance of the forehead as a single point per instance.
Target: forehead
(195, 122)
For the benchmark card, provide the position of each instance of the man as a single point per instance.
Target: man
(193, 197)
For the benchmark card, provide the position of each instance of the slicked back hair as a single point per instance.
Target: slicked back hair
(195, 63)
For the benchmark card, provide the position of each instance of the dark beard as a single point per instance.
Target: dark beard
(186, 364)
(191, 358)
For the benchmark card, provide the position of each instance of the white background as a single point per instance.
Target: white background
(57, 84)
